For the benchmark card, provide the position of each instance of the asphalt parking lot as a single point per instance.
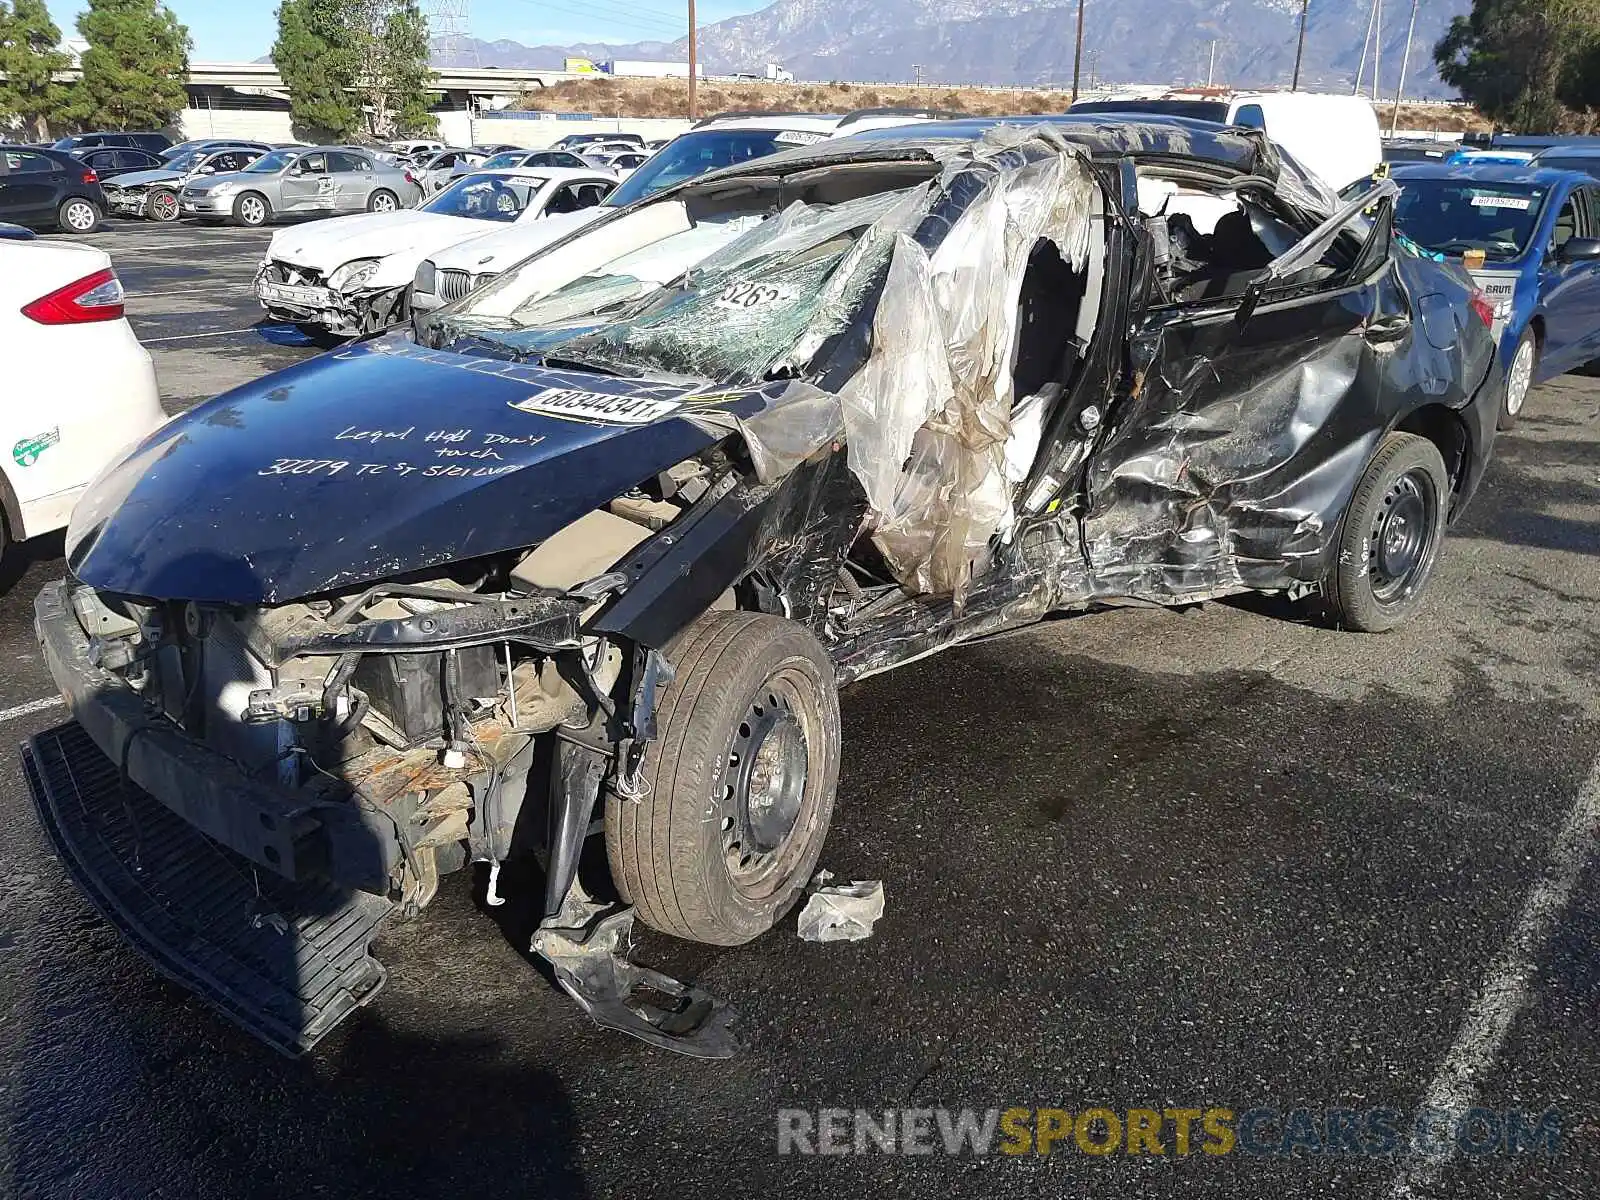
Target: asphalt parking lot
(1214, 858)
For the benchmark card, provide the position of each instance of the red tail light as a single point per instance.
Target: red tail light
(89, 176)
(96, 297)
(411, 179)
(1480, 305)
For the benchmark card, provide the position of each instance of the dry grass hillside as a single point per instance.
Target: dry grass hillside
(670, 98)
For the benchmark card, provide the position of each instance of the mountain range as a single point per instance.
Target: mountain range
(1030, 42)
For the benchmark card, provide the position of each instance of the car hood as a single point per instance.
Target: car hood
(141, 178)
(325, 245)
(257, 180)
(513, 243)
(351, 467)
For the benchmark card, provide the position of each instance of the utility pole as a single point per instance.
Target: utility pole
(1361, 71)
(1405, 62)
(694, 64)
(1077, 55)
(1377, 47)
(916, 75)
(1300, 48)
(1211, 68)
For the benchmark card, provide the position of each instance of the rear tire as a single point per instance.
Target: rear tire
(383, 200)
(1519, 380)
(252, 210)
(77, 215)
(739, 782)
(1390, 537)
(162, 206)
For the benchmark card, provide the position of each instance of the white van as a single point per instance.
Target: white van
(1334, 137)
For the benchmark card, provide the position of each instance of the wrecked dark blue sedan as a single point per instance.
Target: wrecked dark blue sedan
(591, 550)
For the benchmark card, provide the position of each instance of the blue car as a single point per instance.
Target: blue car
(1538, 231)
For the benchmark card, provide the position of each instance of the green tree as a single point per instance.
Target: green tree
(392, 74)
(29, 59)
(406, 72)
(315, 56)
(355, 65)
(1580, 81)
(135, 67)
(1513, 59)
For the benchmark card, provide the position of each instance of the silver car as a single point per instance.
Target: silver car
(305, 181)
(154, 194)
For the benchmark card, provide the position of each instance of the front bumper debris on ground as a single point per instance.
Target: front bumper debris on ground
(287, 961)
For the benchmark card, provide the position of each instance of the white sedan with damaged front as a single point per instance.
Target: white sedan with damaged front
(349, 276)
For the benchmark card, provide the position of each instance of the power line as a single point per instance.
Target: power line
(614, 9)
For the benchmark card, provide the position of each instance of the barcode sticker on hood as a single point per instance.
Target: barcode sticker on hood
(603, 407)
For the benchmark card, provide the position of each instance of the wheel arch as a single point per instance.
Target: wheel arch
(10, 511)
(1444, 427)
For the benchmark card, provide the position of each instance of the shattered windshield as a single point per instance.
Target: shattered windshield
(486, 197)
(721, 300)
(1452, 216)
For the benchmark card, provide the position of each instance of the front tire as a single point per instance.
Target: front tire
(382, 200)
(252, 210)
(1519, 380)
(738, 785)
(77, 215)
(1389, 540)
(162, 206)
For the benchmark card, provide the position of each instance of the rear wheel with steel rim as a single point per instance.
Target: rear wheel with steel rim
(162, 206)
(382, 200)
(1389, 540)
(252, 209)
(1519, 379)
(737, 786)
(78, 215)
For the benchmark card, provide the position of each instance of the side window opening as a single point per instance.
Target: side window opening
(1218, 245)
(1251, 116)
(1566, 227)
(1047, 320)
(564, 201)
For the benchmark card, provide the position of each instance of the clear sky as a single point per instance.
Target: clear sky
(240, 30)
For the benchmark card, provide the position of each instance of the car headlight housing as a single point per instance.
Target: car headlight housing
(424, 281)
(353, 274)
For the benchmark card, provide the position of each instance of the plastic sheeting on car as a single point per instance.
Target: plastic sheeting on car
(946, 414)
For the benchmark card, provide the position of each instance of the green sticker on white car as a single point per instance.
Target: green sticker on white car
(26, 452)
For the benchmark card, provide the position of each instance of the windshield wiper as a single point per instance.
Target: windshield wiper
(557, 363)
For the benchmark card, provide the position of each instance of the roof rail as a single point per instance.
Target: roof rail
(931, 114)
(756, 112)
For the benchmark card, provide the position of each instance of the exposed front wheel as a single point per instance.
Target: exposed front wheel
(1389, 542)
(162, 206)
(1519, 379)
(251, 210)
(737, 786)
(77, 215)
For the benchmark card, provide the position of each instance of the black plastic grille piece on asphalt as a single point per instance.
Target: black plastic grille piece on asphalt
(286, 961)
